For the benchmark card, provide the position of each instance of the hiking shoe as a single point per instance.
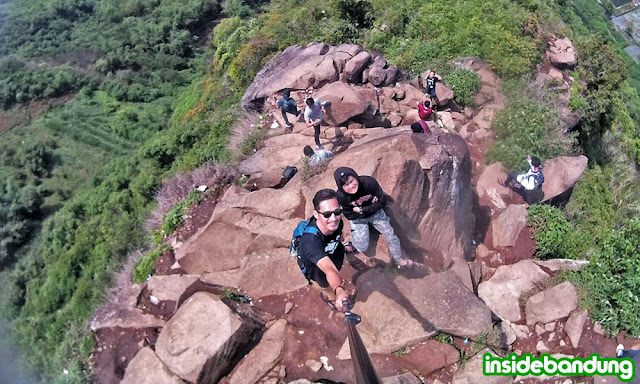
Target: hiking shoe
(619, 351)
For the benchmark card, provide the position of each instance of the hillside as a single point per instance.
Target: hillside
(158, 94)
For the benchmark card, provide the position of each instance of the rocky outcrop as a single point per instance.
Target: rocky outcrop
(315, 65)
(414, 310)
(561, 173)
(502, 291)
(561, 53)
(551, 304)
(200, 340)
(347, 101)
(147, 368)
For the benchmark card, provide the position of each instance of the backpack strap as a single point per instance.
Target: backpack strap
(312, 230)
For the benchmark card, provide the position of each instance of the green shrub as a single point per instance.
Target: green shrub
(528, 126)
(465, 84)
(553, 233)
(175, 216)
(143, 267)
(591, 208)
(611, 282)
(252, 142)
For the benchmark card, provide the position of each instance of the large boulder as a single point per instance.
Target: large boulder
(551, 304)
(276, 153)
(296, 67)
(147, 368)
(561, 53)
(261, 358)
(354, 67)
(202, 338)
(489, 179)
(216, 247)
(415, 309)
(346, 100)
(507, 227)
(502, 291)
(428, 178)
(561, 173)
(448, 224)
(258, 271)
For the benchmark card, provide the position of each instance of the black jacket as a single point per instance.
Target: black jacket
(368, 188)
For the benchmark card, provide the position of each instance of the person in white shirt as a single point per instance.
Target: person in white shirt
(317, 157)
(529, 181)
(313, 115)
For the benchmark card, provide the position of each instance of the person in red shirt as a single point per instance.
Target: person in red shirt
(424, 110)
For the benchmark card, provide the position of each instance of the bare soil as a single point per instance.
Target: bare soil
(23, 114)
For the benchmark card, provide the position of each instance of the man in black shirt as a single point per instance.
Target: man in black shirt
(323, 253)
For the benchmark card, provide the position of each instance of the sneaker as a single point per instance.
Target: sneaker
(288, 125)
(619, 351)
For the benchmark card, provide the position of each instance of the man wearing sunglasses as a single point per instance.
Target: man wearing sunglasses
(321, 251)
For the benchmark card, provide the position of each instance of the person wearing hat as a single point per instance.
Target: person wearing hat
(363, 202)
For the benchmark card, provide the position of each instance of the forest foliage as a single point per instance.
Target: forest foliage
(158, 93)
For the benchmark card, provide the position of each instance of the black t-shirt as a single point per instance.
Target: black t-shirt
(313, 247)
(431, 83)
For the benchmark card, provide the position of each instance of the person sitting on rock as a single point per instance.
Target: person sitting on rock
(424, 110)
(529, 181)
(430, 88)
(287, 105)
(313, 115)
(363, 202)
(420, 127)
(317, 157)
(321, 252)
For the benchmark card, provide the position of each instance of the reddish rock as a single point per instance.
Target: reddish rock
(551, 304)
(216, 247)
(489, 179)
(430, 356)
(262, 357)
(296, 67)
(502, 291)
(346, 100)
(354, 67)
(202, 337)
(507, 227)
(561, 173)
(414, 310)
(147, 368)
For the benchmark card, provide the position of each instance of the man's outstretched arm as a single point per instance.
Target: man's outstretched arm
(335, 282)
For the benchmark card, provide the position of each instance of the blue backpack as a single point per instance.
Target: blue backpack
(302, 228)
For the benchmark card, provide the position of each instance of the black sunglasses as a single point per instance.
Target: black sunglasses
(328, 214)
